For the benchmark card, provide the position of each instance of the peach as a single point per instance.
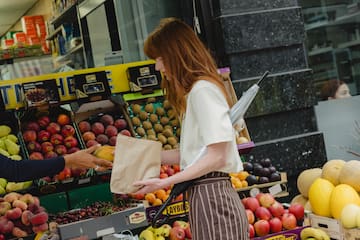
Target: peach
(50, 154)
(111, 131)
(84, 126)
(43, 136)
(12, 196)
(70, 142)
(60, 149)
(91, 143)
(29, 135)
(97, 128)
(19, 233)
(73, 149)
(47, 147)
(120, 124)
(53, 128)
(56, 139)
(88, 136)
(25, 217)
(107, 120)
(27, 198)
(36, 156)
(67, 130)
(102, 139)
(20, 204)
(32, 126)
(112, 141)
(39, 218)
(34, 207)
(14, 213)
(40, 228)
(4, 207)
(63, 119)
(43, 121)
(33, 146)
(6, 226)
(125, 132)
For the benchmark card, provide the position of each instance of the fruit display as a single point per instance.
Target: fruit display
(179, 230)
(48, 135)
(21, 215)
(103, 128)
(155, 119)
(261, 172)
(266, 215)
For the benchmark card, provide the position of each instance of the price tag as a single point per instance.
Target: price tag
(84, 180)
(254, 191)
(275, 189)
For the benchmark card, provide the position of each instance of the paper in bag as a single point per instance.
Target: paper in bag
(135, 159)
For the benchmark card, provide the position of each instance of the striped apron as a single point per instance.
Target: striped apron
(216, 211)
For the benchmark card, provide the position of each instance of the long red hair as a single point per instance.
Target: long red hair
(185, 58)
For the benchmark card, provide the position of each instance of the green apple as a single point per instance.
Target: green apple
(3, 182)
(2, 190)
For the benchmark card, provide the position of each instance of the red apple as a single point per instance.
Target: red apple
(262, 228)
(120, 124)
(275, 225)
(43, 121)
(170, 171)
(60, 150)
(53, 128)
(251, 231)
(70, 142)
(67, 130)
(36, 156)
(276, 209)
(43, 136)
(288, 221)
(73, 149)
(263, 213)
(47, 147)
(84, 126)
(177, 233)
(97, 128)
(56, 139)
(252, 203)
(125, 132)
(29, 135)
(32, 126)
(33, 146)
(266, 200)
(298, 210)
(250, 216)
(258, 196)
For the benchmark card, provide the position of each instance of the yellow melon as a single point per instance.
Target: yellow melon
(341, 196)
(350, 174)
(306, 178)
(319, 197)
(331, 170)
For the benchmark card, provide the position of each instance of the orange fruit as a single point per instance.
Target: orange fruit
(63, 119)
(244, 183)
(243, 175)
(161, 193)
(157, 202)
(150, 197)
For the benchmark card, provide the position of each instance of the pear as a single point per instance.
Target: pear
(146, 235)
(12, 138)
(4, 152)
(15, 157)
(3, 182)
(14, 187)
(12, 147)
(2, 190)
(2, 144)
(4, 130)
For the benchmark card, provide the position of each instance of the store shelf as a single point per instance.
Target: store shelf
(320, 51)
(349, 44)
(63, 14)
(56, 32)
(64, 58)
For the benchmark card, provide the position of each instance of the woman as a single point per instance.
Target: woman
(334, 89)
(18, 171)
(196, 91)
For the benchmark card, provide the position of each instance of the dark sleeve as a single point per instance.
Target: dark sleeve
(24, 170)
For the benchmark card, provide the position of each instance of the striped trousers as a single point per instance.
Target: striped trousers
(216, 211)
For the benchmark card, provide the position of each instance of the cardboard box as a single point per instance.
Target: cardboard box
(293, 234)
(334, 228)
(95, 228)
(277, 189)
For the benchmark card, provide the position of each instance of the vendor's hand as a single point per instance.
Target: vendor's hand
(85, 159)
(149, 185)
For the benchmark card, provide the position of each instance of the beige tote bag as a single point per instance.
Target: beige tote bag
(135, 159)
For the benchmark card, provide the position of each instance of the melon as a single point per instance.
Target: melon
(306, 178)
(341, 196)
(350, 174)
(331, 170)
(319, 197)
(349, 215)
(299, 199)
(307, 206)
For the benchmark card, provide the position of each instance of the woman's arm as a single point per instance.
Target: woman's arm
(170, 157)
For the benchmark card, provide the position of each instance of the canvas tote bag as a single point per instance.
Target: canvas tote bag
(135, 159)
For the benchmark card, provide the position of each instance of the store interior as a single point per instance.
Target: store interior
(51, 42)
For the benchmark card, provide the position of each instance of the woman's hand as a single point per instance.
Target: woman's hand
(149, 185)
(85, 159)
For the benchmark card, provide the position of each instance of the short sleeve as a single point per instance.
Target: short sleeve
(212, 113)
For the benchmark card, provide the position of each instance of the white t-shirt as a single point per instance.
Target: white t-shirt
(207, 121)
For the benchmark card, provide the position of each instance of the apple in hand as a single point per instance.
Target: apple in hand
(298, 210)
(289, 221)
(275, 225)
(262, 228)
(177, 233)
